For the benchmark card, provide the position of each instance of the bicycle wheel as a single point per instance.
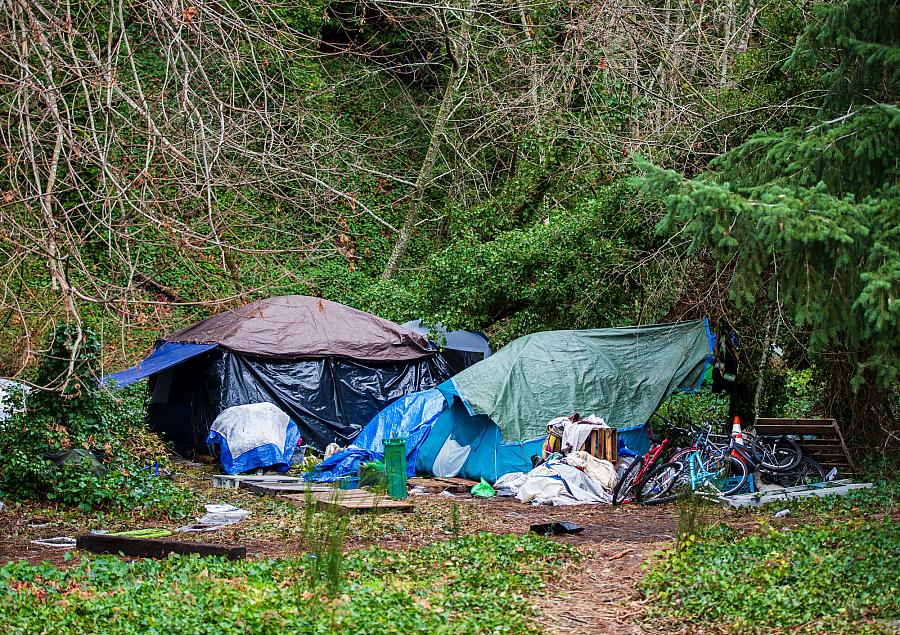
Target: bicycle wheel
(664, 484)
(727, 474)
(809, 471)
(624, 490)
(777, 454)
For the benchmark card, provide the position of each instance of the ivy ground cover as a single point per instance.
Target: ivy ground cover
(477, 584)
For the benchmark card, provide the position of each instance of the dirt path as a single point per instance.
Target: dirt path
(597, 595)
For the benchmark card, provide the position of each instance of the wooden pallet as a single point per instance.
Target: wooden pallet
(350, 501)
(820, 438)
(834, 488)
(438, 484)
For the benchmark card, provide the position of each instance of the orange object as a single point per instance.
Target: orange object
(736, 432)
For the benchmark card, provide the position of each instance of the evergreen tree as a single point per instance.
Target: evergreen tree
(812, 212)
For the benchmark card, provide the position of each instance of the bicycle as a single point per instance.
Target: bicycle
(706, 467)
(641, 466)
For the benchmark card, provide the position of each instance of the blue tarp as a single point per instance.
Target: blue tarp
(457, 340)
(409, 417)
(268, 456)
(167, 355)
(489, 457)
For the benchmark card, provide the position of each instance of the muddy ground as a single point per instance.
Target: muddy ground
(597, 595)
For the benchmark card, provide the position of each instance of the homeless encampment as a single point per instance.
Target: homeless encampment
(329, 367)
(491, 419)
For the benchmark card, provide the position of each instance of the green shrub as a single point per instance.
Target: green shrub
(106, 428)
(686, 409)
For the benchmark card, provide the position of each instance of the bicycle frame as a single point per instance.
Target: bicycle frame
(699, 475)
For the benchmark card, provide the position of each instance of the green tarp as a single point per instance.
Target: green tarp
(620, 374)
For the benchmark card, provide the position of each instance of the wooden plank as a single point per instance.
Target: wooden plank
(351, 501)
(821, 444)
(456, 480)
(437, 485)
(844, 446)
(602, 444)
(828, 428)
(274, 489)
(797, 420)
(235, 480)
(787, 427)
(154, 547)
(836, 452)
(770, 496)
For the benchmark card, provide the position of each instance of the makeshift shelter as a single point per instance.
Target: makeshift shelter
(461, 348)
(331, 368)
(491, 419)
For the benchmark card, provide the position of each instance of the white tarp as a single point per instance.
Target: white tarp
(252, 426)
(574, 480)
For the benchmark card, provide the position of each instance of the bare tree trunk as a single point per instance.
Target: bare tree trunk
(763, 362)
(458, 55)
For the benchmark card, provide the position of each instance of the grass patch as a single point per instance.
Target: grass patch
(477, 584)
(806, 578)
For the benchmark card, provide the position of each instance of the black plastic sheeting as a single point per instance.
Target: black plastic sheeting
(330, 399)
(458, 361)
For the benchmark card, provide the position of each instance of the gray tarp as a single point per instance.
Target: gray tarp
(298, 326)
(620, 374)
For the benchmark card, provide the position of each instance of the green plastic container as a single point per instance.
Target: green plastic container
(395, 467)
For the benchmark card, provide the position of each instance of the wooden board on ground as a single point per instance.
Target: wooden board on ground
(235, 480)
(836, 488)
(276, 489)
(438, 484)
(154, 547)
(350, 501)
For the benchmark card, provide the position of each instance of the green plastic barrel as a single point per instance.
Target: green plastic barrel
(395, 467)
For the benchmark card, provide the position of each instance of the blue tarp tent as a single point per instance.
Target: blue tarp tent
(489, 420)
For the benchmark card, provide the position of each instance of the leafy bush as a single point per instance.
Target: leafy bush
(704, 406)
(808, 579)
(106, 428)
(793, 393)
(478, 584)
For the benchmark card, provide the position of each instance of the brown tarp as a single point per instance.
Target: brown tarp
(295, 326)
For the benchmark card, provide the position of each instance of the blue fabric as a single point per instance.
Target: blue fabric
(456, 340)
(167, 355)
(634, 439)
(707, 365)
(265, 456)
(410, 417)
(490, 457)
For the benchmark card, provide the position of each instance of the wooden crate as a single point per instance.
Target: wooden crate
(601, 443)
(820, 438)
